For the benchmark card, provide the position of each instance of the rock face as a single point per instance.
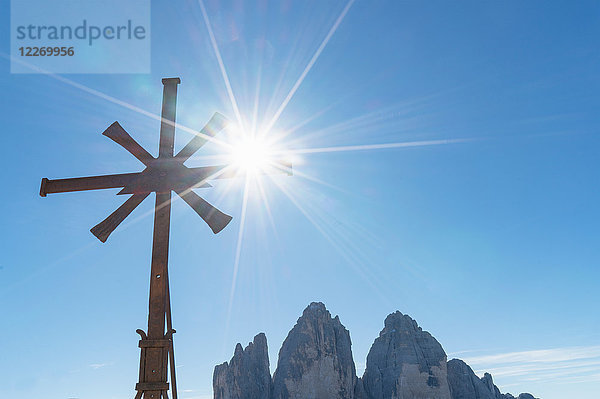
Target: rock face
(464, 384)
(315, 361)
(405, 362)
(359, 390)
(247, 376)
(489, 383)
(521, 396)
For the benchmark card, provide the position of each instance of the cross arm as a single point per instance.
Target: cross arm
(191, 177)
(203, 173)
(116, 133)
(103, 229)
(197, 177)
(215, 219)
(50, 186)
(214, 126)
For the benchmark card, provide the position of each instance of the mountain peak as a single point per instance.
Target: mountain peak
(315, 309)
(405, 361)
(399, 321)
(315, 362)
(247, 375)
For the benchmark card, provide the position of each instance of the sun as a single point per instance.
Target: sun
(256, 152)
(251, 155)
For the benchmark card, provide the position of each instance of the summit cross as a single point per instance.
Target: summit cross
(162, 175)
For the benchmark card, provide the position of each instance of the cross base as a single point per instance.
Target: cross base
(152, 348)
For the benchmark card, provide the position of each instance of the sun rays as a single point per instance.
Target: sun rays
(308, 67)
(238, 250)
(257, 149)
(215, 47)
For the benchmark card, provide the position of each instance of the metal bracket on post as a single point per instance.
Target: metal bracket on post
(148, 389)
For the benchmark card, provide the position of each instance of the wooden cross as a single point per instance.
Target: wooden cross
(162, 175)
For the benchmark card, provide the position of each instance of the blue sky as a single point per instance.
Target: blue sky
(489, 238)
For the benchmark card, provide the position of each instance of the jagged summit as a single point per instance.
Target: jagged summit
(464, 384)
(247, 375)
(405, 361)
(317, 311)
(399, 320)
(315, 362)
(315, 307)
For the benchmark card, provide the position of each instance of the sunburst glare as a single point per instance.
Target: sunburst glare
(253, 154)
(250, 155)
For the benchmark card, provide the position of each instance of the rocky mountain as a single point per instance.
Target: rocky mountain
(247, 375)
(405, 362)
(464, 384)
(315, 362)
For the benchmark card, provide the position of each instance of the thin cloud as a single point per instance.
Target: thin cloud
(539, 356)
(205, 396)
(97, 366)
(575, 364)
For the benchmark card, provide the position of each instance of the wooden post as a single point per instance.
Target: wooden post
(155, 367)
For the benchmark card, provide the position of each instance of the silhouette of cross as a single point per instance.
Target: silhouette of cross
(162, 175)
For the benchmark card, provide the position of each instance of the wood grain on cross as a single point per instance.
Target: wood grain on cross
(162, 175)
